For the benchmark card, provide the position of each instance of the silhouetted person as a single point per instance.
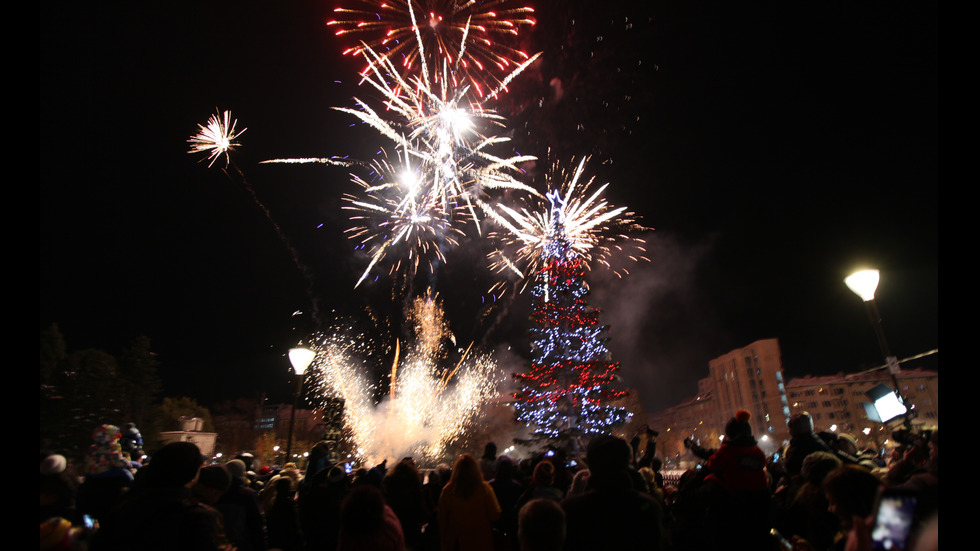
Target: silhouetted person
(367, 523)
(803, 441)
(612, 514)
(541, 526)
(467, 508)
(403, 492)
(161, 513)
(244, 521)
(488, 463)
(741, 506)
(508, 492)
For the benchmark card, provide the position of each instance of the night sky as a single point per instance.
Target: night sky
(773, 147)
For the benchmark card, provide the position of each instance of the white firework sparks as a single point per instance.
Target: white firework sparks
(441, 136)
(438, 142)
(440, 128)
(429, 405)
(395, 218)
(311, 160)
(592, 228)
(217, 138)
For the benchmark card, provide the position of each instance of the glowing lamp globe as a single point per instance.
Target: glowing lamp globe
(863, 284)
(301, 358)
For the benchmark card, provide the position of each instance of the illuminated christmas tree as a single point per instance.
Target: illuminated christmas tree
(566, 394)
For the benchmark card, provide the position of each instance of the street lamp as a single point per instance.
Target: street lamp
(864, 283)
(300, 358)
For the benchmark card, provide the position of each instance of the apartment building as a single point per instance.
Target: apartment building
(751, 378)
(836, 402)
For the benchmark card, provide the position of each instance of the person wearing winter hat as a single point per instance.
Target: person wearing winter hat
(242, 510)
(739, 464)
(57, 534)
(740, 512)
(53, 464)
(107, 473)
(845, 446)
(237, 469)
(58, 488)
(212, 483)
(132, 442)
(803, 441)
(105, 453)
(246, 458)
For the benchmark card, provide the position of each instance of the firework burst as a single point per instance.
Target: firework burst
(394, 217)
(445, 169)
(469, 37)
(439, 127)
(581, 218)
(217, 138)
(429, 404)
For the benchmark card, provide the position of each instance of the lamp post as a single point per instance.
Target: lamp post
(300, 358)
(864, 283)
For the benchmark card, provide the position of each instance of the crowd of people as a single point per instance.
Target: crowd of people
(820, 495)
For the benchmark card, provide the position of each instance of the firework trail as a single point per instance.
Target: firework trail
(335, 161)
(429, 404)
(468, 37)
(218, 138)
(593, 229)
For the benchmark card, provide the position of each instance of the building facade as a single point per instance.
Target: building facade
(690, 419)
(836, 402)
(751, 378)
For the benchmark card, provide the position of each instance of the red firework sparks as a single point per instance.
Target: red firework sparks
(468, 37)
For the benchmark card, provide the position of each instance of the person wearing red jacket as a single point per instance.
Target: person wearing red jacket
(740, 509)
(739, 464)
